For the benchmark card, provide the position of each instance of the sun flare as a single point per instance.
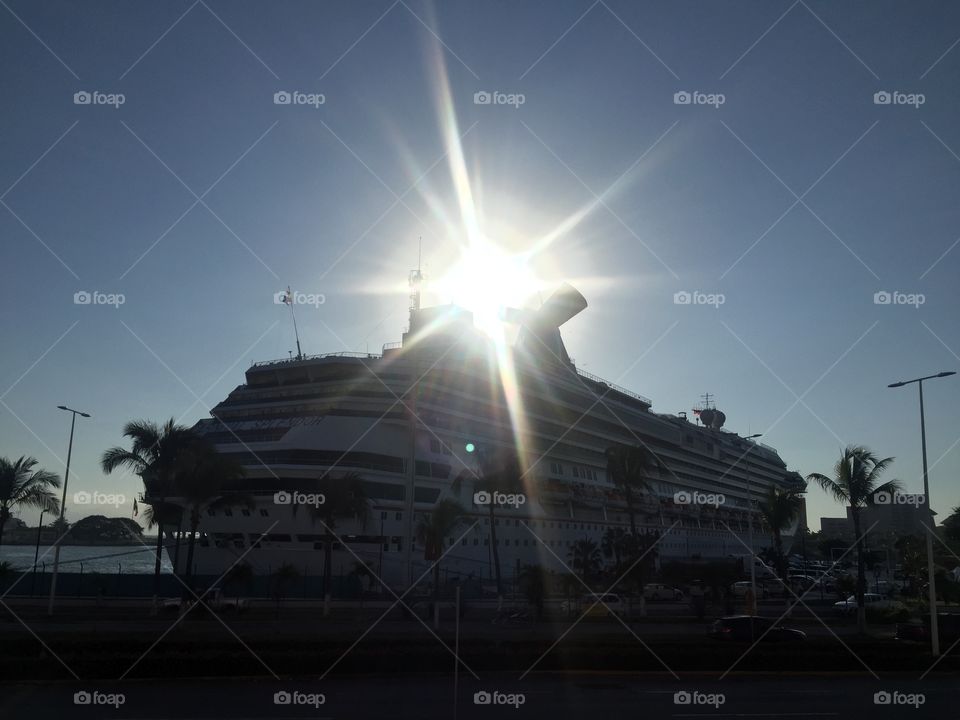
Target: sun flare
(485, 279)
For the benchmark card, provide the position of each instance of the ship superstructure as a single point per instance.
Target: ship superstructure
(415, 422)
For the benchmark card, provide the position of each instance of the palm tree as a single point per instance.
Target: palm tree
(630, 469)
(856, 479)
(167, 514)
(639, 556)
(497, 474)
(614, 544)
(585, 557)
(343, 499)
(951, 525)
(201, 479)
(432, 531)
(239, 576)
(153, 455)
(778, 510)
(533, 584)
(21, 485)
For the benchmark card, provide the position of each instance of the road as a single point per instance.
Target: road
(588, 695)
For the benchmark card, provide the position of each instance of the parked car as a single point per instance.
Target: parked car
(870, 600)
(739, 589)
(747, 628)
(214, 600)
(596, 605)
(948, 627)
(424, 608)
(658, 591)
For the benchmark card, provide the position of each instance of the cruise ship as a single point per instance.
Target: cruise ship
(414, 421)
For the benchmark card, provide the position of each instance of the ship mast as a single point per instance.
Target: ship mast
(416, 281)
(288, 301)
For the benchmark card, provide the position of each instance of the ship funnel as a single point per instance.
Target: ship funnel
(540, 328)
(565, 302)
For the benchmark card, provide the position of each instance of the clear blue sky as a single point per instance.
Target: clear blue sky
(307, 196)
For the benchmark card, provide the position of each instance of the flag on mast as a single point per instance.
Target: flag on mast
(287, 299)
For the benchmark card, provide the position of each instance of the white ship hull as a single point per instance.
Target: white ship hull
(407, 423)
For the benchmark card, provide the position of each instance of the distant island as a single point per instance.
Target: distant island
(91, 530)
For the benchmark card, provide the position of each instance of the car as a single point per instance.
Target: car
(213, 599)
(424, 608)
(749, 628)
(596, 605)
(658, 591)
(740, 589)
(948, 628)
(914, 631)
(800, 583)
(870, 600)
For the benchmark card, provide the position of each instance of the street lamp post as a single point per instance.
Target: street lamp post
(36, 552)
(932, 590)
(63, 504)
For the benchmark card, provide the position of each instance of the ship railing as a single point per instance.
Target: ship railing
(392, 346)
(755, 442)
(613, 386)
(293, 360)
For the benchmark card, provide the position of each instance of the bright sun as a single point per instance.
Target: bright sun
(485, 279)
